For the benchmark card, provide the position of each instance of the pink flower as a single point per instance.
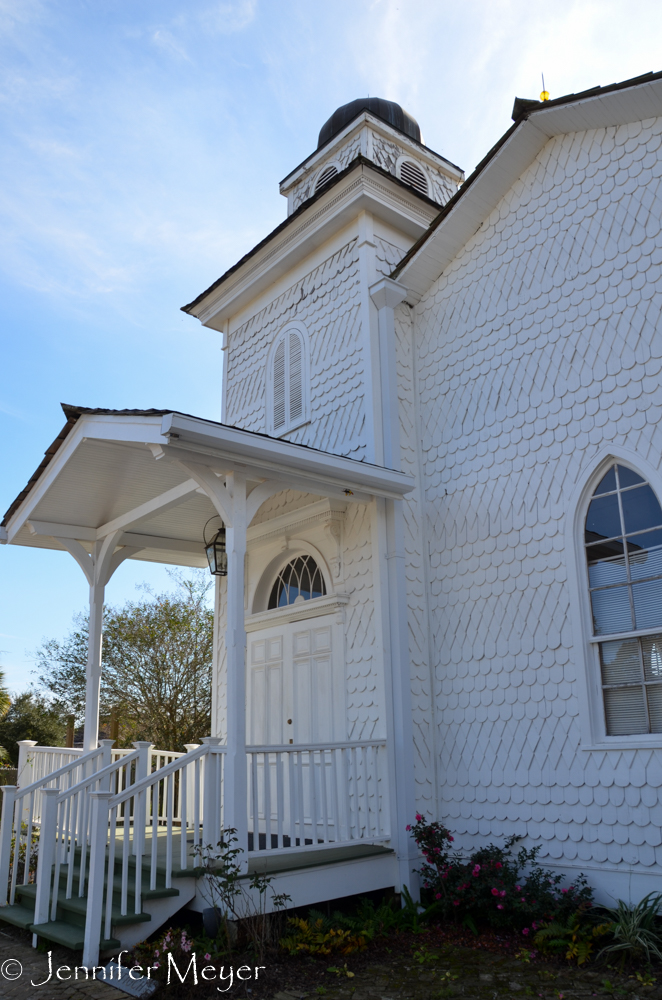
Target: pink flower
(499, 906)
(525, 931)
(408, 827)
(438, 896)
(207, 957)
(456, 902)
(495, 892)
(156, 965)
(498, 865)
(157, 952)
(503, 892)
(451, 839)
(517, 888)
(418, 817)
(522, 900)
(564, 890)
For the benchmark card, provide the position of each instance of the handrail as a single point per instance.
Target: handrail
(164, 772)
(300, 747)
(90, 755)
(104, 772)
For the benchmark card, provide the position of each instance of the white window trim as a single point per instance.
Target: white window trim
(421, 166)
(293, 549)
(281, 337)
(588, 679)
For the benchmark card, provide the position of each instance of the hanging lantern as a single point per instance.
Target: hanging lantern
(217, 557)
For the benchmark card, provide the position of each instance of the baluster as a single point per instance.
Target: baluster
(197, 832)
(267, 801)
(351, 793)
(312, 779)
(94, 913)
(6, 831)
(366, 792)
(84, 813)
(256, 802)
(60, 829)
(125, 861)
(28, 838)
(323, 796)
(291, 789)
(280, 800)
(111, 872)
(334, 791)
(47, 841)
(300, 802)
(155, 833)
(169, 784)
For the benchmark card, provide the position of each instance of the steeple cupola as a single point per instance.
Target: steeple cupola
(384, 134)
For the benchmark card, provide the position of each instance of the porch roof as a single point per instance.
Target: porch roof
(112, 469)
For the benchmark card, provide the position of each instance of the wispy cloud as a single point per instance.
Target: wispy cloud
(166, 41)
(227, 18)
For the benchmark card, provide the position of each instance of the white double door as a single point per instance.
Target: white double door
(296, 683)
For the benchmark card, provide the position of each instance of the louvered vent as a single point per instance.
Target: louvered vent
(412, 174)
(327, 174)
(296, 379)
(279, 386)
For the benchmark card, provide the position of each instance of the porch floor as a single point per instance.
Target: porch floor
(274, 862)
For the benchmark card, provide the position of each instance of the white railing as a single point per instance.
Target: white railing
(130, 815)
(78, 774)
(333, 793)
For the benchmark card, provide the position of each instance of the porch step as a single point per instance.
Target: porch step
(77, 906)
(19, 916)
(69, 936)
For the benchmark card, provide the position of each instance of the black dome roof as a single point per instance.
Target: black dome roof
(388, 111)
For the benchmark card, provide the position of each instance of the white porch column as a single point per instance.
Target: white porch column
(389, 552)
(93, 669)
(98, 567)
(235, 793)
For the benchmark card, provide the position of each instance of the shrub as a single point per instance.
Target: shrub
(495, 885)
(575, 938)
(316, 937)
(635, 929)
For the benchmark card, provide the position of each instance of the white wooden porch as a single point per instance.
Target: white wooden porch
(135, 819)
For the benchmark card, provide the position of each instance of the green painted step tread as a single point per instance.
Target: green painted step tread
(19, 916)
(78, 905)
(68, 935)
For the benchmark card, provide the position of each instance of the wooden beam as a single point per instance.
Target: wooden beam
(54, 530)
(160, 504)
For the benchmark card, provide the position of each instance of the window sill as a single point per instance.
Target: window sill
(653, 742)
(296, 612)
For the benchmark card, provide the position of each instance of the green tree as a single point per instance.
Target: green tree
(157, 656)
(31, 717)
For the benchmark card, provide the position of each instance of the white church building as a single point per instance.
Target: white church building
(438, 469)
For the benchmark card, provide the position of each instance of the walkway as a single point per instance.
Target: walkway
(20, 965)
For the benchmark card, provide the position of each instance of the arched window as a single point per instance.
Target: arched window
(411, 174)
(326, 176)
(300, 580)
(287, 381)
(623, 535)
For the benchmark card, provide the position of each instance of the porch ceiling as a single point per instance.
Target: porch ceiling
(122, 469)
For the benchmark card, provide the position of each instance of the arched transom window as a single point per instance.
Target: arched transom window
(624, 552)
(300, 580)
(287, 381)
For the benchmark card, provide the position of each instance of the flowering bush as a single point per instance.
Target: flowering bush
(495, 884)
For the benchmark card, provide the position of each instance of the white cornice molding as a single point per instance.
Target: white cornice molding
(314, 608)
(355, 127)
(321, 511)
(363, 189)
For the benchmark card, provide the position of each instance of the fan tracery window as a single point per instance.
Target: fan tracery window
(623, 536)
(300, 580)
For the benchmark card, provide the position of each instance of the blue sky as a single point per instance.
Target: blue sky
(141, 145)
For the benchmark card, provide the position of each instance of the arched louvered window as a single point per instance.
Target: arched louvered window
(623, 536)
(326, 175)
(287, 380)
(411, 174)
(300, 580)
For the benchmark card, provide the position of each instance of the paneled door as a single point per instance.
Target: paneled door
(296, 683)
